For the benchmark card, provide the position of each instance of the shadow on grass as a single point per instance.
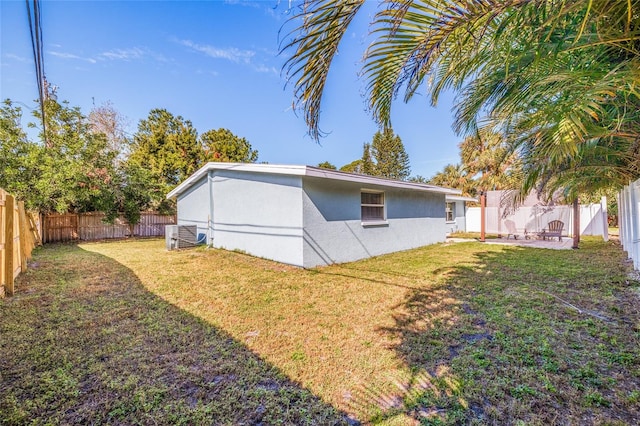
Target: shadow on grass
(516, 336)
(83, 342)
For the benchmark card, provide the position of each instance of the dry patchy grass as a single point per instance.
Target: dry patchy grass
(84, 342)
(446, 334)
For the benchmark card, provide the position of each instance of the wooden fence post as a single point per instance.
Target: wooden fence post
(43, 228)
(2, 242)
(8, 244)
(26, 244)
(41, 218)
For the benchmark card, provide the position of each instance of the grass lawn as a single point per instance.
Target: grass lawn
(126, 332)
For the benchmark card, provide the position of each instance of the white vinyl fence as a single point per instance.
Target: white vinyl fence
(533, 219)
(629, 221)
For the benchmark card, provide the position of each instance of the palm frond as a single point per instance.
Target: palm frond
(320, 26)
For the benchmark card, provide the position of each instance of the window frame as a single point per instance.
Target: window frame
(383, 206)
(451, 211)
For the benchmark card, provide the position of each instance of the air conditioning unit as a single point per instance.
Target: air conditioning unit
(181, 236)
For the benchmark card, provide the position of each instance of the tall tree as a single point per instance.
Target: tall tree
(455, 176)
(367, 166)
(110, 122)
(487, 159)
(363, 165)
(353, 167)
(133, 191)
(327, 165)
(383, 157)
(168, 147)
(16, 164)
(74, 169)
(222, 145)
(391, 159)
(418, 179)
(74, 166)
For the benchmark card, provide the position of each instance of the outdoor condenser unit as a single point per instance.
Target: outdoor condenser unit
(181, 236)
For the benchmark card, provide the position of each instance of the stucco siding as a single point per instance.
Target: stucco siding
(193, 207)
(306, 216)
(334, 233)
(461, 222)
(260, 214)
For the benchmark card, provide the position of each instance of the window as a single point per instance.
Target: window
(372, 206)
(450, 211)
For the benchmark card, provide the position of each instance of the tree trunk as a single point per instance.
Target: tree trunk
(576, 223)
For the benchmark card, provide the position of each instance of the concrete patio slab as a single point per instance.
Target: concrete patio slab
(554, 244)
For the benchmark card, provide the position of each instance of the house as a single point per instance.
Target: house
(456, 213)
(308, 216)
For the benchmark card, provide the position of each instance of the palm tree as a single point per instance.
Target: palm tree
(487, 158)
(459, 42)
(557, 78)
(597, 166)
(455, 176)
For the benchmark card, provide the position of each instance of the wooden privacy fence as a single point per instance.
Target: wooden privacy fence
(18, 236)
(91, 226)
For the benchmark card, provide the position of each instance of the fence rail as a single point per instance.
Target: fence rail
(629, 221)
(91, 227)
(18, 237)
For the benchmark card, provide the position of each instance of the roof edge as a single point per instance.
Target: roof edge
(310, 171)
(461, 198)
(245, 167)
(374, 180)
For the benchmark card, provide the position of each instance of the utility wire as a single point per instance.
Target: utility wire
(35, 30)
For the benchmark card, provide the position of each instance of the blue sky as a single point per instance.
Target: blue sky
(216, 63)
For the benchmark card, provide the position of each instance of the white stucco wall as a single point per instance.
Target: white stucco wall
(459, 223)
(333, 230)
(306, 221)
(258, 213)
(461, 216)
(193, 208)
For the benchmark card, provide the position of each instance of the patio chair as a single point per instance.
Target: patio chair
(511, 229)
(553, 229)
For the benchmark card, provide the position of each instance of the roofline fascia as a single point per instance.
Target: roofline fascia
(309, 171)
(461, 198)
(373, 180)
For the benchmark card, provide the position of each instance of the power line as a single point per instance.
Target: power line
(35, 30)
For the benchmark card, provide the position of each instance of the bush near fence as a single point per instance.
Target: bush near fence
(18, 237)
(92, 226)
